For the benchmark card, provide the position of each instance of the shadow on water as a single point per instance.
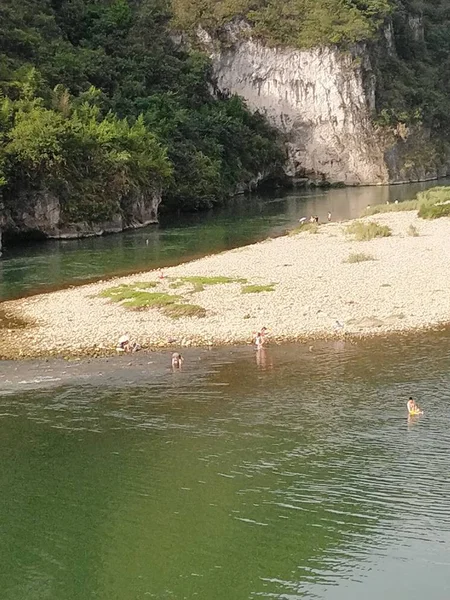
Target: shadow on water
(290, 475)
(50, 265)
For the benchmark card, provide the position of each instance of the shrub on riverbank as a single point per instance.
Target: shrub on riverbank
(367, 231)
(434, 203)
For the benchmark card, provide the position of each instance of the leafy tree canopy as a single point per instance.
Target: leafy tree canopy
(97, 102)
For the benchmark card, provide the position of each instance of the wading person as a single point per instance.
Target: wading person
(177, 360)
(413, 409)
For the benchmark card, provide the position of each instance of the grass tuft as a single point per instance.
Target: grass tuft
(367, 231)
(434, 203)
(257, 289)
(132, 296)
(311, 227)
(125, 290)
(199, 282)
(412, 231)
(179, 311)
(358, 257)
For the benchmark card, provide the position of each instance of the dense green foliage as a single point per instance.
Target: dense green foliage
(413, 77)
(434, 203)
(98, 105)
(298, 23)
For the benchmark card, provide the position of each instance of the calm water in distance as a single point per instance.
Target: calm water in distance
(292, 475)
(51, 264)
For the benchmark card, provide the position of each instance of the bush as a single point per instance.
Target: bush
(434, 203)
(357, 257)
(367, 231)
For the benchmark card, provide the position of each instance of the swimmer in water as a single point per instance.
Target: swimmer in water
(413, 409)
(177, 360)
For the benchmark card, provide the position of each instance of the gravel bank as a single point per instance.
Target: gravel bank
(317, 294)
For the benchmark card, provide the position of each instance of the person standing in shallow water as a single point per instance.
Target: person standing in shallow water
(259, 341)
(260, 338)
(177, 360)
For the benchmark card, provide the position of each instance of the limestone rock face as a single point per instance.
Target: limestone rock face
(323, 101)
(40, 212)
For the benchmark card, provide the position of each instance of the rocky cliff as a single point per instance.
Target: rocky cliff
(323, 101)
(42, 213)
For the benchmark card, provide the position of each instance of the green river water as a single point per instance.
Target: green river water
(292, 473)
(52, 264)
(295, 474)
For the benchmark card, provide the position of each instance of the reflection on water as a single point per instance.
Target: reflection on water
(292, 473)
(54, 263)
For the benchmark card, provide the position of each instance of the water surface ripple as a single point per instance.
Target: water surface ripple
(292, 475)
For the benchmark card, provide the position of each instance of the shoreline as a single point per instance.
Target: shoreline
(307, 291)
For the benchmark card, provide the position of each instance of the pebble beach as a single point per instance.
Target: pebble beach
(401, 284)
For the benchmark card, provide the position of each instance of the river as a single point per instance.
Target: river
(292, 475)
(51, 265)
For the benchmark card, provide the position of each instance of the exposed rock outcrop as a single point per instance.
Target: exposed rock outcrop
(323, 101)
(42, 213)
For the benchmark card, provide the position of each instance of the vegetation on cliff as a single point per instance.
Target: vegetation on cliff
(408, 40)
(98, 105)
(412, 64)
(297, 23)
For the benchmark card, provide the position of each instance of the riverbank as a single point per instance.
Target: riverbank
(306, 287)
